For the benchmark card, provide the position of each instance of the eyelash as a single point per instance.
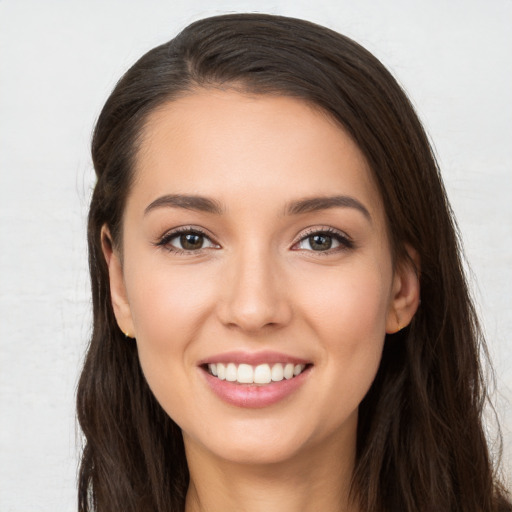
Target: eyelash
(345, 242)
(164, 242)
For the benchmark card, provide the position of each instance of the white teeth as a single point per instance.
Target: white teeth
(261, 374)
(231, 372)
(298, 369)
(245, 374)
(221, 371)
(277, 372)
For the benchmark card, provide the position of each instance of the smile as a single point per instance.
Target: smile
(261, 374)
(257, 379)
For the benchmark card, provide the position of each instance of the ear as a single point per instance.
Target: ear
(406, 293)
(118, 294)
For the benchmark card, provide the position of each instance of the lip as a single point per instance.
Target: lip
(254, 396)
(252, 358)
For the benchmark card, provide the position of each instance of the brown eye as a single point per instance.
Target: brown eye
(325, 241)
(191, 241)
(186, 241)
(320, 242)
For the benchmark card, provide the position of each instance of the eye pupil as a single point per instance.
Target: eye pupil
(320, 242)
(191, 241)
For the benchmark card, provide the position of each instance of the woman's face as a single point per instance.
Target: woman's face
(255, 248)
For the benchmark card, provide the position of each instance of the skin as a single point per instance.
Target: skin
(258, 284)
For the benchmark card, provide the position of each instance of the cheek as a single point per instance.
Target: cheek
(168, 303)
(168, 306)
(347, 312)
(347, 302)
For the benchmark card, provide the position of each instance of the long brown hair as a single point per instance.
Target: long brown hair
(421, 445)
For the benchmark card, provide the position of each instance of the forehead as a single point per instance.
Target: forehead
(241, 147)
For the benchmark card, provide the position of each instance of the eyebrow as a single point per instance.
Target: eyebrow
(187, 202)
(298, 207)
(314, 204)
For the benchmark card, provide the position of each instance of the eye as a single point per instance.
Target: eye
(328, 240)
(186, 240)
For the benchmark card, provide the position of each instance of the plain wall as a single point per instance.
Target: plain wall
(58, 62)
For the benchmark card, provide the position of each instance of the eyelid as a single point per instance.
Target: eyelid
(164, 240)
(345, 240)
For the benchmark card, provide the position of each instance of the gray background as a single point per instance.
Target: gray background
(58, 62)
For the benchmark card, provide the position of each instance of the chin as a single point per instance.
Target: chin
(271, 442)
(258, 453)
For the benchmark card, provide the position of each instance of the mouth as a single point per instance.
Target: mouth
(260, 375)
(255, 379)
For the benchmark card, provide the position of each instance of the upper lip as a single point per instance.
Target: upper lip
(253, 358)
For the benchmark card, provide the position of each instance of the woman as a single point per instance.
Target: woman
(267, 214)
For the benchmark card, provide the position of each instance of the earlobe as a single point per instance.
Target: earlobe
(118, 293)
(406, 293)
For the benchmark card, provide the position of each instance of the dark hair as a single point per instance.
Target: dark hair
(420, 445)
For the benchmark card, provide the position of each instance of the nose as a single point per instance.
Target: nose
(255, 293)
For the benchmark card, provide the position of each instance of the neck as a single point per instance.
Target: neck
(316, 480)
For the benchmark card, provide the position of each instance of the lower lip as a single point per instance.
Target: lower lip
(252, 395)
